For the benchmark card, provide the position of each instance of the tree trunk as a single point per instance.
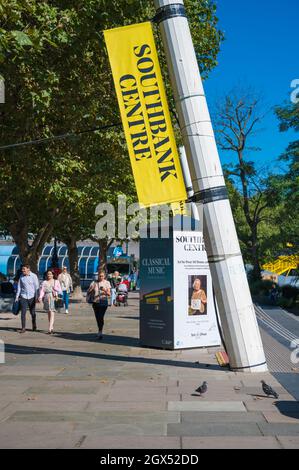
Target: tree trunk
(29, 254)
(104, 245)
(74, 268)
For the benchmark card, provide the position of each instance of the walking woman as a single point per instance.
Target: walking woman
(49, 291)
(67, 286)
(100, 291)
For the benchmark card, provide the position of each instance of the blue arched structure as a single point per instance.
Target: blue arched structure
(9, 260)
(88, 256)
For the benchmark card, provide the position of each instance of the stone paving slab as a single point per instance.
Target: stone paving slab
(130, 442)
(214, 429)
(270, 405)
(216, 396)
(235, 442)
(140, 429)
(259, 391)
(8, 389)
(133, 417)
(51, 416)
(64, 398)
(35, 435)
(77, 373)
(289, 442)
(254, 380)
(65, 390)
(149, 382)
(279, 429)
(117, 387)
(223, 382)
(34, 405)
(134, 406)
(206, 406)
(137, 395)
(222, 417)
(31, 371)
(277, 417)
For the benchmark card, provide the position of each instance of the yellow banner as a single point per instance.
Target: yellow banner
(145, 114)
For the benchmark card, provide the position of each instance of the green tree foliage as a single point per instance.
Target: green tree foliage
(58, 80)
(288, 183)
(238, 117)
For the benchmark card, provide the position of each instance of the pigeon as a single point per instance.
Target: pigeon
(269, 390)
(202, 389)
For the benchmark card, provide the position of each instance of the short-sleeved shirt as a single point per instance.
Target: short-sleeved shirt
(96, 285)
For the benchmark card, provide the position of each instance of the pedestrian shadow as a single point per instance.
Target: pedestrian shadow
(128, 318)
(37, 350)
(91, 337)
(10, 328)
(259, 396)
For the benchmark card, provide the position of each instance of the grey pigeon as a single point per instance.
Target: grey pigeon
(268, 390)
(203, 388)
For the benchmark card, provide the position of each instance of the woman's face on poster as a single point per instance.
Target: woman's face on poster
(197, 284)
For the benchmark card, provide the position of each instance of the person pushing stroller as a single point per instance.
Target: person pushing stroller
(122, 294)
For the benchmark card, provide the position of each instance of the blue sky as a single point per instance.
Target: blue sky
(261, 51)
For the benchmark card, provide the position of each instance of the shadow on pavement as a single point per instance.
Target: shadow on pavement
(288, 408)
(25, 350)
(129, 318)
(108, 339)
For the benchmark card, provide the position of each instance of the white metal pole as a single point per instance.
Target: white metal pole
(240, 328)
(196, 209)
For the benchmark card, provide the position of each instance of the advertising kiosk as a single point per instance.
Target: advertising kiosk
(177, 308)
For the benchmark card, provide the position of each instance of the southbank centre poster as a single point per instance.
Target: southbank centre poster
(177, 309)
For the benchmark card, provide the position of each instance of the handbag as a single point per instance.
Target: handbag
(90, 297)
(58, 302)
(16, 307)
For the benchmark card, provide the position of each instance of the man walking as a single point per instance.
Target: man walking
(66, 285)
(27, 293)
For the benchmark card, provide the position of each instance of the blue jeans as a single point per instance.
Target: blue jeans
(65, 296)
(113, 295)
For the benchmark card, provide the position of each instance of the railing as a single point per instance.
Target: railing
(283, 265)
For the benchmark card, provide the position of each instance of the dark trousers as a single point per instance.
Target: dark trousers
(99, 312)
(27, 303)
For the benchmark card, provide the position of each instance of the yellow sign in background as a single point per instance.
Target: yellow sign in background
(145, 114)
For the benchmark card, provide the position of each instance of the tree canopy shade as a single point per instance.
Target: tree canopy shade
(58, 80)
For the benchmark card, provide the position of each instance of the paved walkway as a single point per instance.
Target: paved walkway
(71, 391)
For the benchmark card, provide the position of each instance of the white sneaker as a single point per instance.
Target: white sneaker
(66, 311)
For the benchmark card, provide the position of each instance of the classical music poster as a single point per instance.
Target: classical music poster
(195, 323)
(156, 292)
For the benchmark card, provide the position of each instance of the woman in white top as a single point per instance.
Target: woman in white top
(49, 291)
(67, 286)
(100, 291)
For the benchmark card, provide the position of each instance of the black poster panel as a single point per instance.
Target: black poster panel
(156, 292)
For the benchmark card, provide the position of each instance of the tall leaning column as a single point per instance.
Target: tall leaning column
(240, 328)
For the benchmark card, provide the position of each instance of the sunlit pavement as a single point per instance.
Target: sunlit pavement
(72, 391)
